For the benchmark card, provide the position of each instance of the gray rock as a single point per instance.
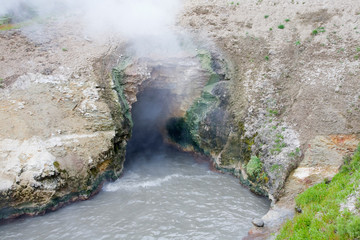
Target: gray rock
(257, 222)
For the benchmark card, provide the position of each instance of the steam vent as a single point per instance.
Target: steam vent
(179, 119)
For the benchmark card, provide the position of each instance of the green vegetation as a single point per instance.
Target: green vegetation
(1, 83)
(56, 164)
(358, 49)
(64, 49)
(206, 63)
(266, 16)
(276, 167)
(321, 217)
(281, 26)
(179, 132)
(297, 43)
(279, 144)
(267, 58)
(270, 29)
(272, 112)
(287, 20)
(254, 167)
(318, 30)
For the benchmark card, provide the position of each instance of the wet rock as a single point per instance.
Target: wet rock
(258, 222)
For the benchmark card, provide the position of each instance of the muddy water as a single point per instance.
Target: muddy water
(166, 196)
(163, 194)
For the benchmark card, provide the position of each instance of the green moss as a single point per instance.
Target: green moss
(179, 132)
(321, 217)
(206, 61)
(118, 76)
(197, 112)
(254, 167)
(56, 165)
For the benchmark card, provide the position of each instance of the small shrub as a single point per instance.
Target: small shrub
(254, 167)
(270, 29)
(267, 58)
(287, 20)
(266, 16)
(297, 43)
(281, 26)
(1, 83)
(64, 49)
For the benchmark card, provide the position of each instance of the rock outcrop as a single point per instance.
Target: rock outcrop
(293, 86)
(63, 128)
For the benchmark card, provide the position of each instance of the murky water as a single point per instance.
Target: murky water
(163, 194)
(168, 196)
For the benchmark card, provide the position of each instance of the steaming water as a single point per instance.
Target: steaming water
(163, 194)
(166, 196)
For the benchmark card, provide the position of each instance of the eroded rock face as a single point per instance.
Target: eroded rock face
(291, 90)
(59, 137)
(210, 126)
(182, 77)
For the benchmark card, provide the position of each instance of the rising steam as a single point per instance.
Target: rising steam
(141, 21)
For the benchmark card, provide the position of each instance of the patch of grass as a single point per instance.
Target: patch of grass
(270, 29)
(266, 16)
(64, 49)
(267, 58)
(356, 57)
(1, 83)
(281, 26)
(273, 112)
(297, 43)
(318, 30)
(279, 144)
(321, 217)
(287, 20)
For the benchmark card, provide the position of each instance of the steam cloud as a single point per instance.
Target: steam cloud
(140, 21)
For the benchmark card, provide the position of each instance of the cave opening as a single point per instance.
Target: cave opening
(149, 114)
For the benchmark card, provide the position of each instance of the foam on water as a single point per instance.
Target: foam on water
(134, 183)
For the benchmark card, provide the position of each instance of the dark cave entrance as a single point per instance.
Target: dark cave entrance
(149, 115)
